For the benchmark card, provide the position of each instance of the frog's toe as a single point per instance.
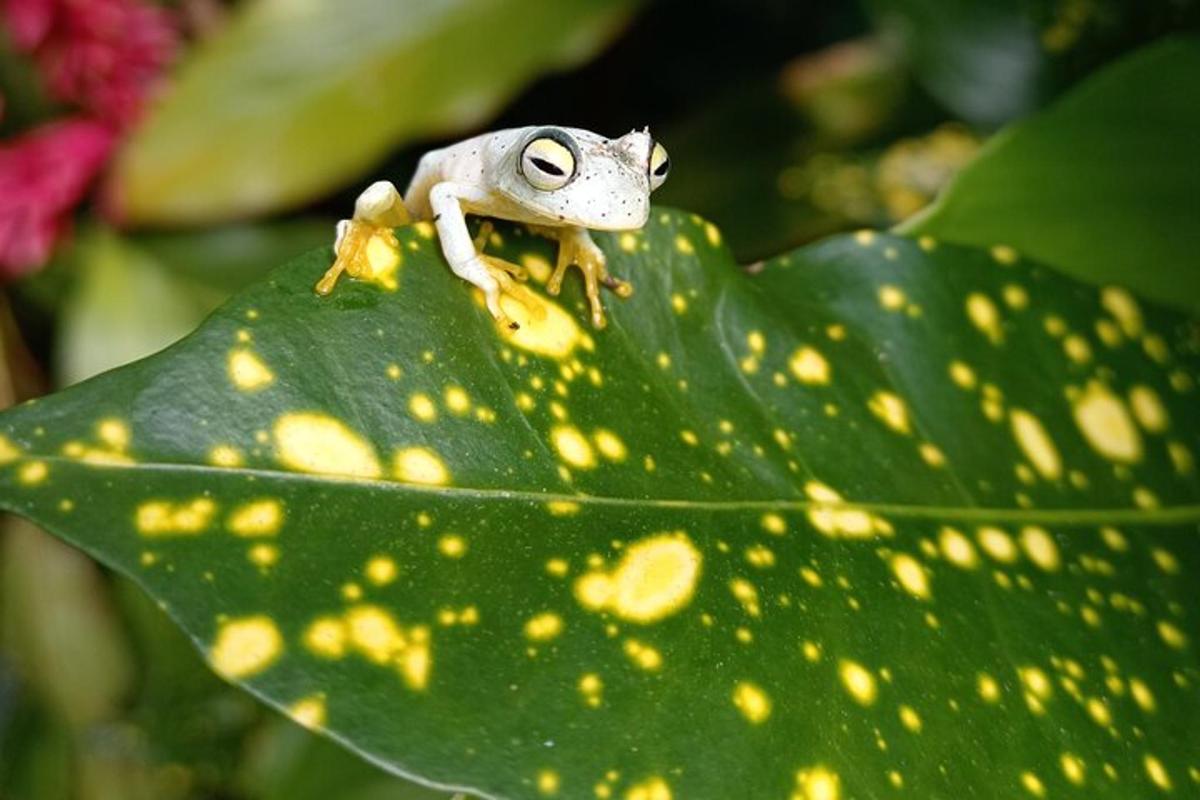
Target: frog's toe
(362, 250)
(622, 289)
(515, 271)
(503, 285)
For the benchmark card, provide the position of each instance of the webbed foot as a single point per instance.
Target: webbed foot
(576, 248)
(506, 280)
(366, 248)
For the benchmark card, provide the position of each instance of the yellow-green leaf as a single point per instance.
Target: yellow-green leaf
(886, 515)
(294, 97)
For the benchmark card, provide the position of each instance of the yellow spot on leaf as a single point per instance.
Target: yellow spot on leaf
(962, 375)
(655, 578)
(610, 445)
(643, 655)
(245, 647)
(747, 595)
(817, 783)
(985, 316)
(891, 297)
(684, 245)
(164, 518)
(858, 682)
(957, 548)
(1036, 444)
(318, 443)
(422, 407)
(752, 701)
(452, 546)
(381, 570)
(326, 637)
(548, 782)
(33, 472)
(1106, 425)
(1039, 545)
(650, 789)
(457, 400)
(1124, 309)
(988, 688)
(545, 328)
(114, 433)
(225, 456)
(573, 447)
(309, 712)
(911, 575)
(910, 719)
(544, 626)
(420, 465)
(591, 687)
(1148, 409)
(257, 518)
(774, 524)
(9, 452)
(889, 408)
(1003, 254)
(809, 366)
(247, 371)
(997, 544)
(1033, 784)
(1172, 635)
(1142, 695)
(1157, 772)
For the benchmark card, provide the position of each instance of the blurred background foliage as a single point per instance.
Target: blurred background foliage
(154, 157)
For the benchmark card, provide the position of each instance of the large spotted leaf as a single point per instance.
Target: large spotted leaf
(886, 516)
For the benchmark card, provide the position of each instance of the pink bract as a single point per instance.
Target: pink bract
(43, 175)
(103, 55)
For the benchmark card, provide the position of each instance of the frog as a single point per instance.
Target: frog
(560, 182)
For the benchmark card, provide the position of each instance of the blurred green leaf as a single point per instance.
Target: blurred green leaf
(1104, 185)
(886, 513)
(992, 62)
(60, 629)
(124, 306)
(298, 96)
(132, 296)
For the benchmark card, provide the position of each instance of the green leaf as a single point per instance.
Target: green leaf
(990, 63)
(301, 96)
(885, 513)
(1102, 184)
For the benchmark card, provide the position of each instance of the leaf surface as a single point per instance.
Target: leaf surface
(886, 514)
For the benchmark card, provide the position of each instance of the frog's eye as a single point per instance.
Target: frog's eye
(660, 165)
(547, 164)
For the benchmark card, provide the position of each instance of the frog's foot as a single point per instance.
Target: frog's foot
(576, 248)
(480, 242)
(503, 279)
(377, 210)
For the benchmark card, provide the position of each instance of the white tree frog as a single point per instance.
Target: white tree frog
(559, 181)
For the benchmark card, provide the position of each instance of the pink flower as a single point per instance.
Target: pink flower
(43, 175)
(103, 55)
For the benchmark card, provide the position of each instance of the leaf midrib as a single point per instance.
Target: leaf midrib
(1171, 515)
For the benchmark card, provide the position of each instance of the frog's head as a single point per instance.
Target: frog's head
(580, 178)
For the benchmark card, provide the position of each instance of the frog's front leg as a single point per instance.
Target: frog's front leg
(575, 247)
(492, 275)
(376, 211)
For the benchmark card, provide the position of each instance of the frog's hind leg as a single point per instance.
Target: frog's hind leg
(576, 248)
(376, 211)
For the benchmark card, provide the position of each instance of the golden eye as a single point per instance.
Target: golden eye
(547, 164)
(660, 165)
